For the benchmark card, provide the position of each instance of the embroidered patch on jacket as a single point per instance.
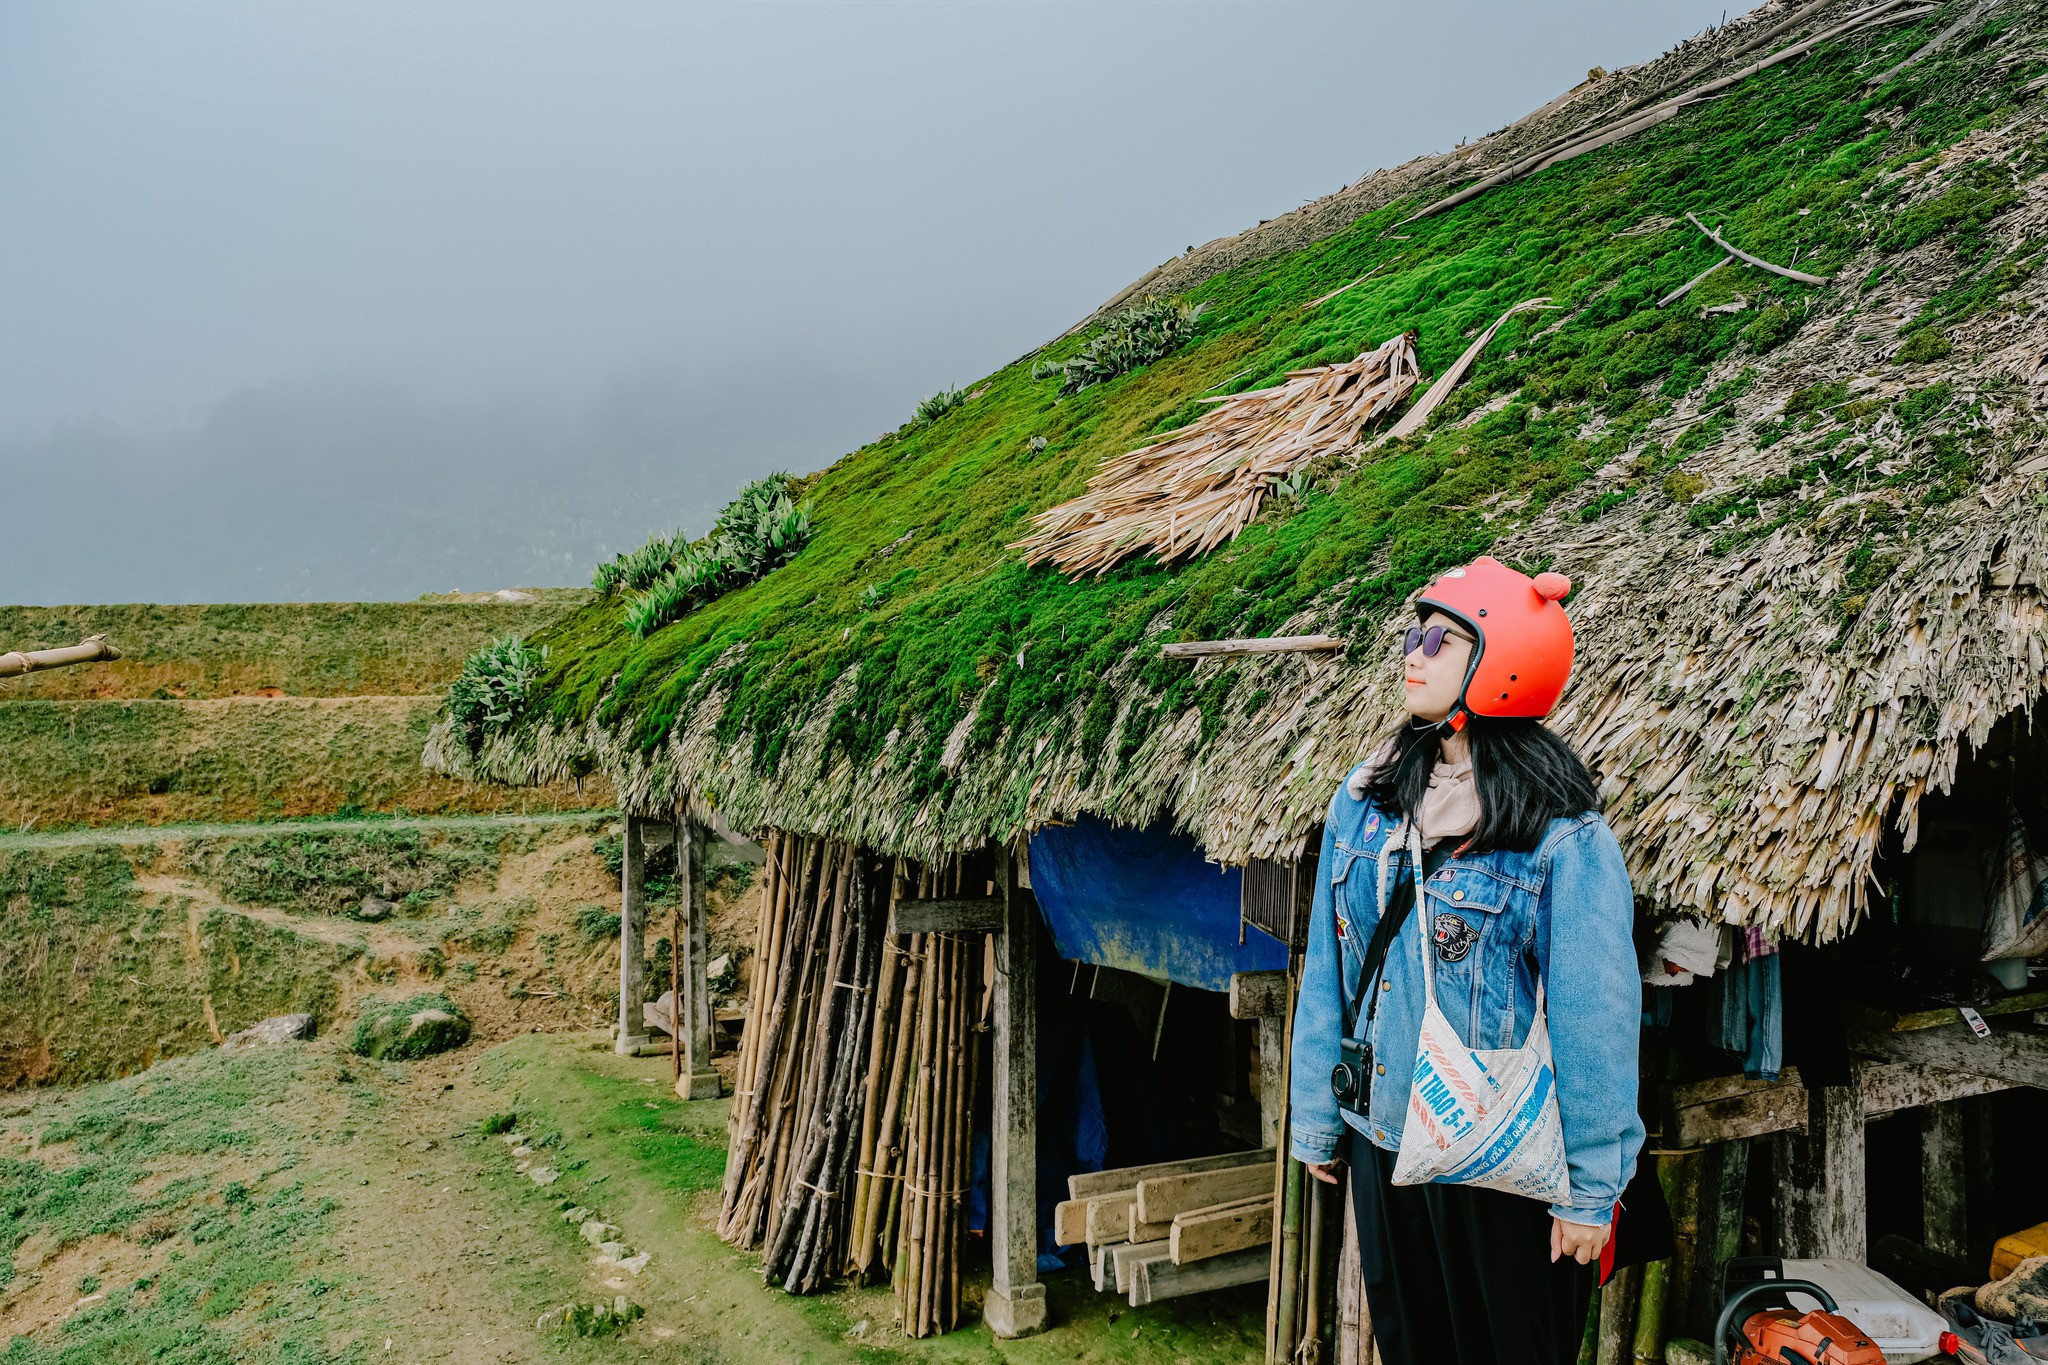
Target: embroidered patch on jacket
(1342, 925)
(1454, 938)
(1372, 824)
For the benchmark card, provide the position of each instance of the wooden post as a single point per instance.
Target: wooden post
(1617, 1340)
(1821, 1192)
(632, 931)
(1263, 996)
(1984, 1216)
(695, 1077)
(1016, 1300)
(1943, 1209)
(1706, 1206)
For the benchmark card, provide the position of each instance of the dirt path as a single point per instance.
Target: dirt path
(298, 1203)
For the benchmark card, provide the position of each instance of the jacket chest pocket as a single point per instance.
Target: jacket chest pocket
(1476, 933)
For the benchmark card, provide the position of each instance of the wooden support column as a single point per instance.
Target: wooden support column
(1016, 1300)
(632, 933)
(1263, 996)
(1708, 1214)
(696, 1080)
(1820, 1179)
(1944, 1224)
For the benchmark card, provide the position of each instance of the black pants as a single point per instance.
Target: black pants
(1461, 1276)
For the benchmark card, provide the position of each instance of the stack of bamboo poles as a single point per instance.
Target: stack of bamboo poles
(852, 1117)
(1197, 488)
(818, 953)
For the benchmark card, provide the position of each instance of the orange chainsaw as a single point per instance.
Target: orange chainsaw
(1759, 1326)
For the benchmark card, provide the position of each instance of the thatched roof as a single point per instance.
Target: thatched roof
(1810, 562)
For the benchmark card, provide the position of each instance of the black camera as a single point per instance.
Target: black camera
(1351, 1078)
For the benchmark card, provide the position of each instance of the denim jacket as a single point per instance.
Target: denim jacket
(1567, 907)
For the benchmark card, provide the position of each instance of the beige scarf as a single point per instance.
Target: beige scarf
(1450, 809)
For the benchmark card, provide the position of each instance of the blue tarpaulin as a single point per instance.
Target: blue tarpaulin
(1144, 900)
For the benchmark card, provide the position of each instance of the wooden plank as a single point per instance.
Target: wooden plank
(1228, 649)
(1088, 1184)
(1070, 1222)
(1127, 1255)
(2026, 1002)
(1162, 1198)
(1147, 1232)
(1102, 1265)
(1888, 1087)
(1729, 1108)
(1258, 995)
(1820, 1180)
(1201, 1234)
(2013, 1055)
(1109, 1217)
(1153, 1280)
(955, 915)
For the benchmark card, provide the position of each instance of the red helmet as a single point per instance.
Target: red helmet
(1524, 652)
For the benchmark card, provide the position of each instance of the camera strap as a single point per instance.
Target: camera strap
(1400, 903)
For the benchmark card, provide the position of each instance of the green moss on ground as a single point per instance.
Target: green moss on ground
(908, 576)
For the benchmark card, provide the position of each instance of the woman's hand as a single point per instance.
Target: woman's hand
(1327, 1173)
(1580, 1241)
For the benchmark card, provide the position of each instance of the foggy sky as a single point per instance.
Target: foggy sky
(365, 300)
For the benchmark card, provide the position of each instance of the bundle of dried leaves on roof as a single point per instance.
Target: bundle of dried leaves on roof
(1201, 485)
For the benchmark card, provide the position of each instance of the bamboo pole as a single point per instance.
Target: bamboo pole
(92, 649)
(1649, 1342)
(888, 1151)
(880, 1037)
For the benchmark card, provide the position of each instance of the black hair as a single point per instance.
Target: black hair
(1526, 777)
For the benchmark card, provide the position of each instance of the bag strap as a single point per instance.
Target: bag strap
(1394, 912)
(1423, 939)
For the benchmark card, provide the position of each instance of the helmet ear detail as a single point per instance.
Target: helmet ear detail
(1524, 655)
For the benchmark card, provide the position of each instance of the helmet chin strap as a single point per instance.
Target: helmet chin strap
(1452, 723)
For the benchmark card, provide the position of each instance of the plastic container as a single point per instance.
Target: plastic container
(1904, 1328)
(2015, 1247)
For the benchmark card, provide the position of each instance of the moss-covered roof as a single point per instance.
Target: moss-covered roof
(1741, 484)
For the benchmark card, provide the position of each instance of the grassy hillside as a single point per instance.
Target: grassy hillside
(909, 602)
(153, 762)
(120, 955)
(316, 649)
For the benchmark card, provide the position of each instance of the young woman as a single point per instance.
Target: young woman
(1524, 886)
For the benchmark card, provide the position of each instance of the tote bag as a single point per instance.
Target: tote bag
(1485, 1118)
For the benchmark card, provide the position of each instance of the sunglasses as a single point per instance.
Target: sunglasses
(1429, 641)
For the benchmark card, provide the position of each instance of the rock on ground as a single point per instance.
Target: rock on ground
(374, 909)
(281, 1028)
(396, 1030)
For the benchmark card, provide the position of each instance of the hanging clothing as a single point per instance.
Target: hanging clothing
(1686, 950)
(1458, 1275)
(1753, 1016)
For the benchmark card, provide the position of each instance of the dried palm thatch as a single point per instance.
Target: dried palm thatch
(1791, 629)
(1201, 485)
